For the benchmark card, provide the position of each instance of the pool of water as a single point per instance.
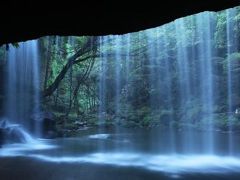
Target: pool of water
(121, 154)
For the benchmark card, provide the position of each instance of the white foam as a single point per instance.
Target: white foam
(18, 149)
(99, 136)
(164, 163)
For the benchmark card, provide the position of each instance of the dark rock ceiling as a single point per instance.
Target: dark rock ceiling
(23, 21)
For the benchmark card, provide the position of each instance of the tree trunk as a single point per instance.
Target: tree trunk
(71, 61)
(47, 65)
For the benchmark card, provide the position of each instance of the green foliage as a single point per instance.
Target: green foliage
(234, 58)
(220, 34)
(135, 89)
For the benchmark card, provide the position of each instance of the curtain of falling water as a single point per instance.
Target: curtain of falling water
(153, 79)
(205, 54)
(160, 82)
(102, 83)
(179, 78)
(36, 85)
(102, 90)
(127, 41)
(231, 48)
(118, 66)
(168, 88)
(153, 70)
(184, 80)
(22, 93)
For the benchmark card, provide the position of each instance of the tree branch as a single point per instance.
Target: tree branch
(74, 59)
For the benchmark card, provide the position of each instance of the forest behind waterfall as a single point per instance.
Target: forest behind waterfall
(182, 74)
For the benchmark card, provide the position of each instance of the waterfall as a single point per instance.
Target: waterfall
(160, 81)
(231, 48)
(22, 92)
(184, 80)
(153, 70)
(127, 59)
(127, 67)
(205, 55)
(166, 67)
(102, 111)
(170, 77)
(182, 62)
(118, 66)
(102, 83)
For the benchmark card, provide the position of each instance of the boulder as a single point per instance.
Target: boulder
(12, 133)
(50, 134)
(47, 121)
